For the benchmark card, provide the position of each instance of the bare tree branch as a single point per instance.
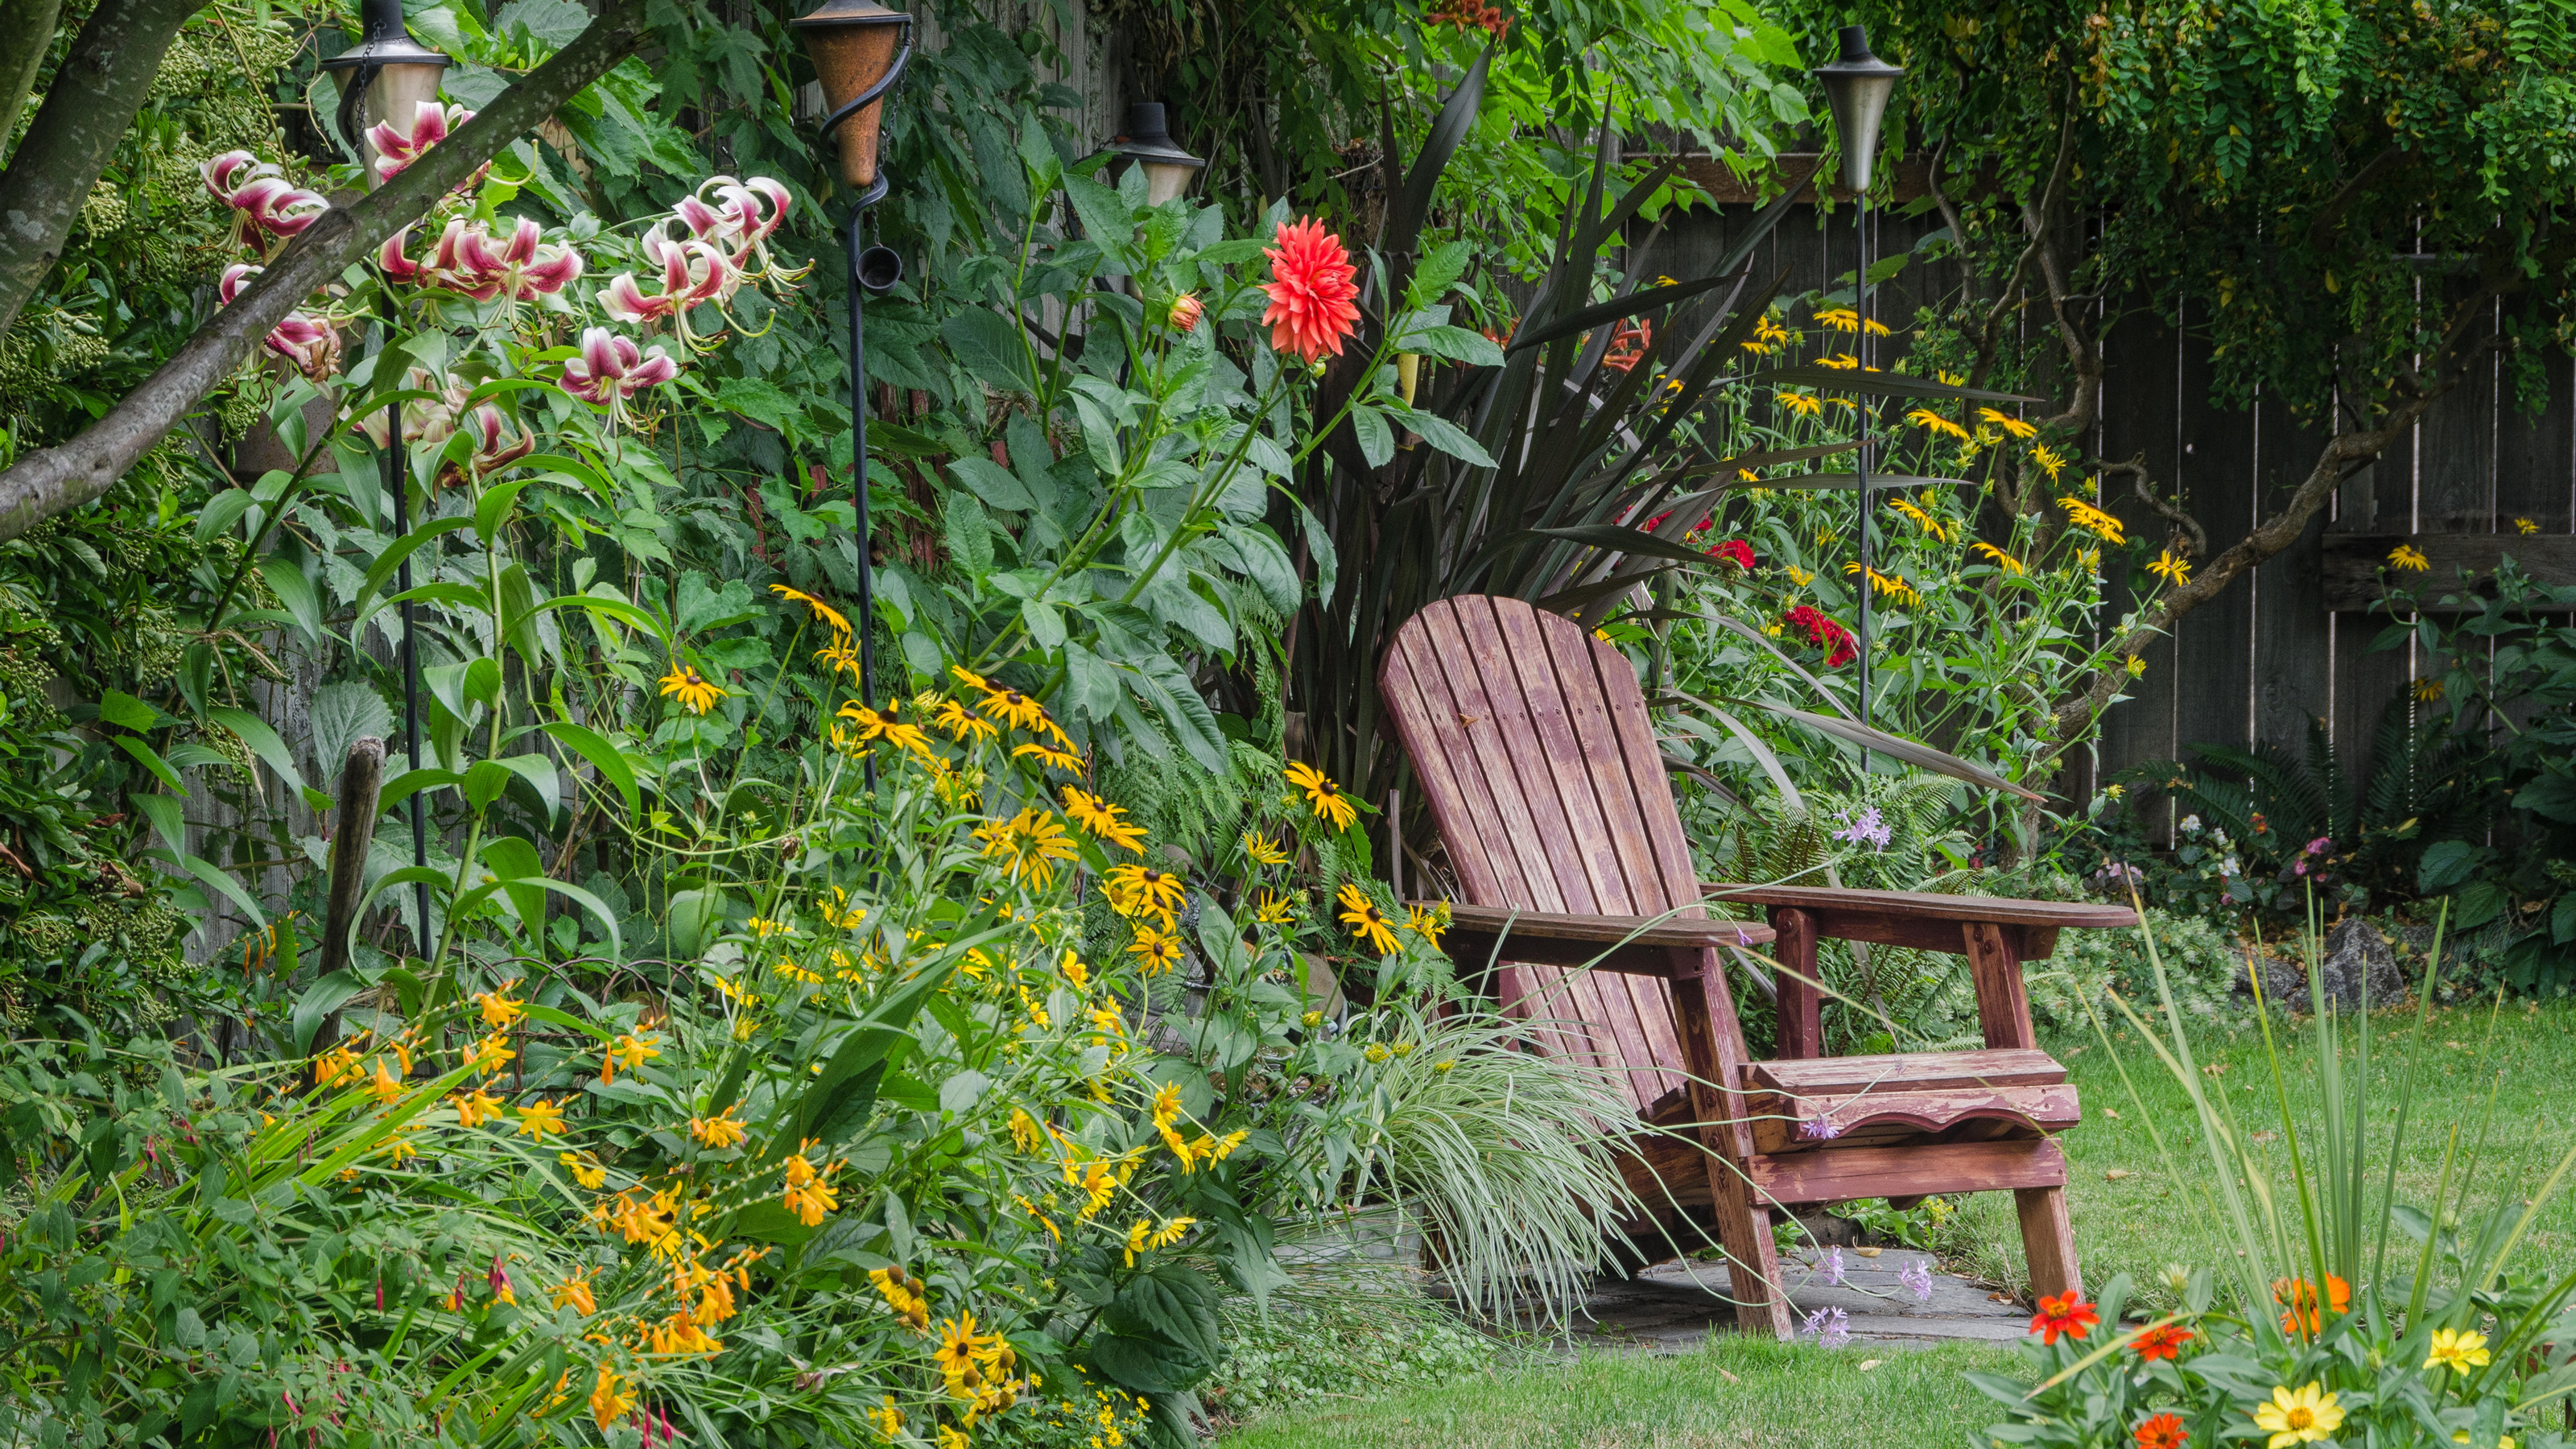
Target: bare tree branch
(87, 110)
(48, 482)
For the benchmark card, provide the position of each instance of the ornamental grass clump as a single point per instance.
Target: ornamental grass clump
(2344, 1316)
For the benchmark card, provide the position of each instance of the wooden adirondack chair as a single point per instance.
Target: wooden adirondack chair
(1535, 751)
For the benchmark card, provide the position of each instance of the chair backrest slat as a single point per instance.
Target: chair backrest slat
(1537, 758)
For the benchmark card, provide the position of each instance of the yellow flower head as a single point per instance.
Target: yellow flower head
(475, 1108)
(628, 1051)
(490, 1054)
(2461, 1350)
(887, 724)
(499, 1009)
(1262, 850)
(2170, 566)
(2427, 690)
(696, 694)
(1428, 922)
(822, 611)
(1101, 818)
(608, 1400)
(585, 1169)
(1365, 920)
(1005, 703)
(962, 723)
(1049, 756)
(2001, 559)
(719, 1131)
(2092, 520)
(2303, 1417)
(2012, 426)
(2049, 462)
(1141, 890)
(539, 1118)
(1805, 404)
(2407, 556)
(1030, 843)
(1926, 418)
(1155, 951)
(1273, 909)
(1323, 796)
(2525, 525)
(1889, 585)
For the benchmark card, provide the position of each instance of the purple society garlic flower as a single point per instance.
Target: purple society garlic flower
(1869, 829)
(1832, 1266)
(1831, 1326)
(1917, 1278)
(1820, 1128)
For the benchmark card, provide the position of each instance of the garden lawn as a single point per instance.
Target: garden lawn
(1736, 1393)
(2152, 1213)
(1753, 1393)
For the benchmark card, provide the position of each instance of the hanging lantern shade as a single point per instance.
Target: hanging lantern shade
(1148, 142)
(1857, 86)
(386, 76)
(853, 44)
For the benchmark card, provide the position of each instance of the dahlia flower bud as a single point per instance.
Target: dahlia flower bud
(1186, 312)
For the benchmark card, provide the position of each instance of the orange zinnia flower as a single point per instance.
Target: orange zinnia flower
(2164, 1341)
(2164, 1431)
(2298, 1300)
(1311, 292)
(2063, 1314)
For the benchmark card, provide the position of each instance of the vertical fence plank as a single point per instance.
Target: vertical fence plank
(2535, 452)
(2141, 371)
(2293, 631)
(2214, 644)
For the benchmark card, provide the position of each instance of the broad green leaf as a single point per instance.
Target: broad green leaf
(603, 756)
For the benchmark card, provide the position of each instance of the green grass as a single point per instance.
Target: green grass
(2156, 1214)
(1736, 1393)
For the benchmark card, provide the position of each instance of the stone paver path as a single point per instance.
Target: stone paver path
(1672, 1306)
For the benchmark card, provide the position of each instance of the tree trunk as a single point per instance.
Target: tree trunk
(86, 112)
(46, 483)
(26, 34)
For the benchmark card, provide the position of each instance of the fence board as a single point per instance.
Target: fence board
(2140, 418)
(2214, 644)
(2293, 631)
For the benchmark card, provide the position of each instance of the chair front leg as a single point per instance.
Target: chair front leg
(1802, 1033)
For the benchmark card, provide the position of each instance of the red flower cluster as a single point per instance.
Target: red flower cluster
(1311, 293)
(1628, 344)
(1822, 632)
(2066, 1314)
(1737, 552)
(1469, 15)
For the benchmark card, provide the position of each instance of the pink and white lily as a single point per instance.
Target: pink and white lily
(612, 369)
(312, 344)
(397, 148)
(741, 219)
(693, 273)
(262, 199)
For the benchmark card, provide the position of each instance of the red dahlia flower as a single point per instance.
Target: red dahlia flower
(1822, 632)
(1311, 291)
(1737, 552)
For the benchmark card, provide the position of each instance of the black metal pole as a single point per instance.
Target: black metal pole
(1860, 304)
(859, 461)
(398, 482)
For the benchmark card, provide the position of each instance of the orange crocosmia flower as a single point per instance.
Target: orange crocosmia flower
(1312, 295)
(2163, 1341)
(2064, 1314)
(2164, 1431)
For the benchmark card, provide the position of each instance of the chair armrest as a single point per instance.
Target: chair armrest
(1636, 945)
(1924, 920)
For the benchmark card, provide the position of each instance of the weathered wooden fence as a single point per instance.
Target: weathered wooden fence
(2291, 640)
